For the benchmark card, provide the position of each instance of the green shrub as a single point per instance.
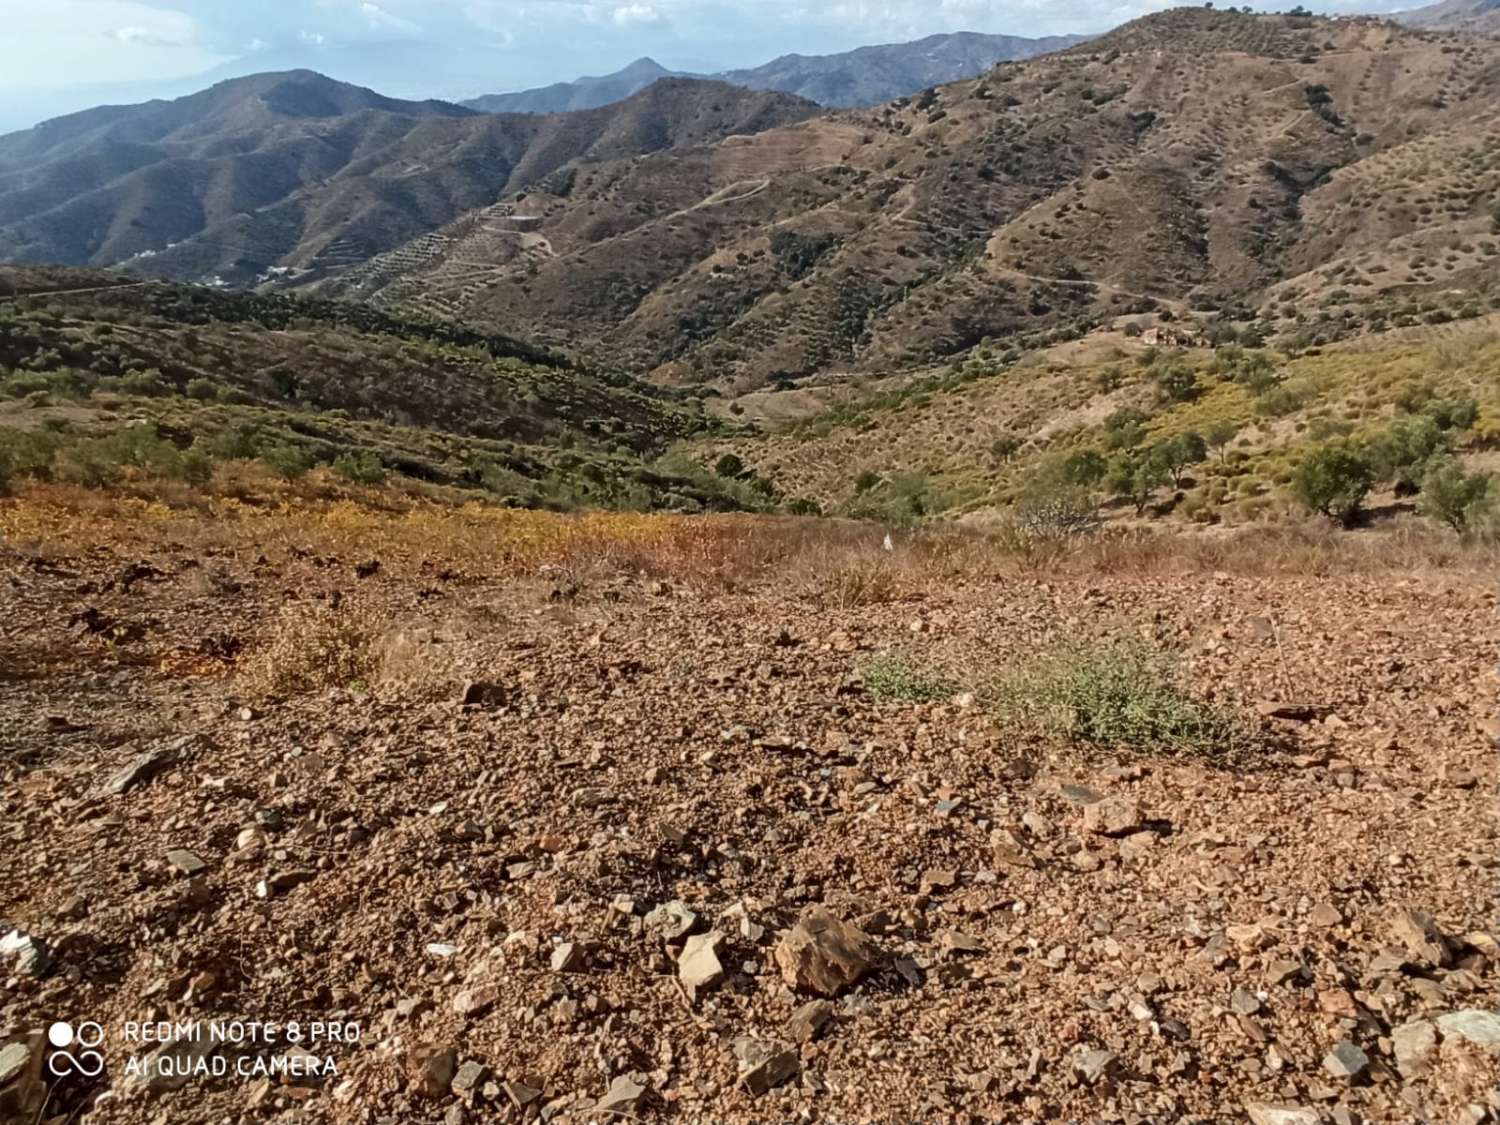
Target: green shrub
(729, 466)
(359, 468)
(27, 453)
(205, 390)
(286, 461)
(1455, 497)
(894, 676)
(1401, 454)
(1116, 693)
(1333, 480)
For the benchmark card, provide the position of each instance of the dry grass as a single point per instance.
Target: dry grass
(836, 563)
(310, 648)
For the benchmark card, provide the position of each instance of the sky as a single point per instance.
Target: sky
(58, 56)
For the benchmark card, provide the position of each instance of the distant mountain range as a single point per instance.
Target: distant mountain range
(866, 76)
(300, 172)
(1456, 15)
(1196, 158)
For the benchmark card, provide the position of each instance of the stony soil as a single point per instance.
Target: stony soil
(1052, 933)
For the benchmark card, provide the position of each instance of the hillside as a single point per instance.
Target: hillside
(861, 77)
(583, 93)
(303, 175)
(871, 75)
(1268, 166)
(977, 439)
(102, 376)
(1455, 15)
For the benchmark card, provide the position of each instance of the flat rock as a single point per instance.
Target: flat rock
(805, 1023)
(567, 958)
(152, 762)
(764, 1066)
(823, 955)
(1475, 1025)
(1264, 1113)
(624, 1096)
(470, 1076)
(188, 863)
(14, 1058)
(1413, 1045)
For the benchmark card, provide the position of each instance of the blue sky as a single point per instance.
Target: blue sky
(61, 55)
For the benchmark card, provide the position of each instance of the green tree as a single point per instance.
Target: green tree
(1176, 454)
(729, 466)
(1402, 453)
(1333, 480)
(1125, 428)
(1136, 474)
(1218, 435)
(1177, 382)
(1083, 467)
(1453, 496)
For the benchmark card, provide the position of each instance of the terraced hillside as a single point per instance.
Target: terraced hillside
(297, 175)
(1255, 164)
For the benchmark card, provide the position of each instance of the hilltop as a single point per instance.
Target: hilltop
(864, 76)
(1250, 166)
(1456, 15)
(298, 175)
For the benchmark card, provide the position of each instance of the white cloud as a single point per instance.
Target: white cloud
(627, 15)
(381, 20)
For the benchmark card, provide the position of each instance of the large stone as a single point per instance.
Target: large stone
(14, 1058)
(1113, 816)
(1413, 1045)
(150, 763)
(432, 1069)
(699, 966)
(624, 1096)
(1419, 935)
(1475, 1025)
(764, 1066)
(188, 863)
(824, 955)
(1346, 1061)
(33, 956)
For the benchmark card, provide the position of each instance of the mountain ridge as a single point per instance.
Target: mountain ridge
(297, 171)
(862, 76)
(1236, 161)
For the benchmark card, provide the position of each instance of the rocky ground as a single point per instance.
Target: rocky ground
(673, 859)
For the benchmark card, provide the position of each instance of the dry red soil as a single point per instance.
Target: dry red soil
(1302, 931)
